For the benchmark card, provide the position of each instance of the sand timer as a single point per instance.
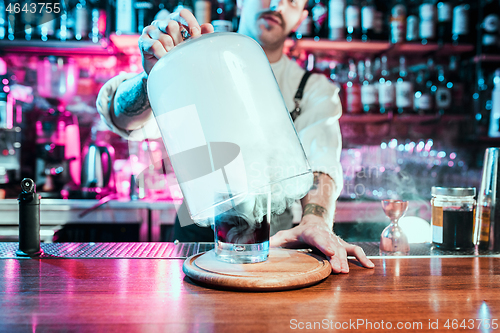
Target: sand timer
(393, 241)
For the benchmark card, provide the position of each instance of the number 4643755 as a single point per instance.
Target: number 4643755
(34, 8)
(471, 324)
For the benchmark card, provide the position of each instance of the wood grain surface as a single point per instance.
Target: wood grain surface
(283, 270)
(154, 295)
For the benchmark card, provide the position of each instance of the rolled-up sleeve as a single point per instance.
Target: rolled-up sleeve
(104, 106)
(319, 130)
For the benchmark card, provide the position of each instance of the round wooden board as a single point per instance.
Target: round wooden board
(285, 269)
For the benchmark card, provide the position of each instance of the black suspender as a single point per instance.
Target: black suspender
(298, 96)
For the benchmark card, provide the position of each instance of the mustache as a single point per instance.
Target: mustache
(276, 15)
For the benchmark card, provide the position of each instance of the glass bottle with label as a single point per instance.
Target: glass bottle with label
(143, 9)
(386, 92)
(461, 25)
(398, 22)
(427, 21)
(125, 17)
(13, 20)
(443, 92)
(353, 20)
(423, 102)
(320, 19)
(336, 22)
(404, 89)
(369, 92)
(223, 17)
(368, 11)
(445, 15)
(352, 90)
(203, 11)
(82, 22)
(490, 27)
(412, 21)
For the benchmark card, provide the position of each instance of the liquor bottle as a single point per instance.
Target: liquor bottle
(203, 11)
(336, 23)
(82, 20)
(412, 22)
(125, 17)
(222, 21)
(99, 19)
(143, 10)
(12, 20)
(368, 11)
(398, 22)
(319, 14)
(494, 128)
(460, 27)
(490, 27)
(427, 22)
(422, 103)
(457, 86)
(445, 15)
(443, 92)
(386, 91)
(353, 20)
(369, 92)
(352, 90)
(3, 20)
(63, 30)
(404, 89)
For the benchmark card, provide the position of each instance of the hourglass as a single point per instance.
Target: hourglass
(393, 241)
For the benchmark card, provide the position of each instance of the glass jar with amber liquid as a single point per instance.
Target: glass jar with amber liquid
(453, 217)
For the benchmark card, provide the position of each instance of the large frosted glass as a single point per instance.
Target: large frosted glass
(226, 128)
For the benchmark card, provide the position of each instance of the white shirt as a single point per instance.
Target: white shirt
(317, 125)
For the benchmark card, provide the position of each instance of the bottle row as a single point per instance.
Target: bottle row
(423, 21)
(380, 86)
(94, 19)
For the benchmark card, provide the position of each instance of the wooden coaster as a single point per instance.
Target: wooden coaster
(285, 269)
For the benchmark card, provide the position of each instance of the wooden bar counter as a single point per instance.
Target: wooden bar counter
(420, 294)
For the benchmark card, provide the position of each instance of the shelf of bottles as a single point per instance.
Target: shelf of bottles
(405, 62)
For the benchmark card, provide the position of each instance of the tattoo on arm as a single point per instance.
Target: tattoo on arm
(315, 182)
(132, 99)
(315, 210)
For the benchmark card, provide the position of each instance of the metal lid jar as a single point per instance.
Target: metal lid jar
(453, 217)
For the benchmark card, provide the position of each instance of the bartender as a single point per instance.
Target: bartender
(312, 100)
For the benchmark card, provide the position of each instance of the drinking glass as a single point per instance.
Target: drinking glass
(393, 241)
(242, 231)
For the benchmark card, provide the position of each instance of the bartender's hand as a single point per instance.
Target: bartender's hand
(314, 231)
(163, 35)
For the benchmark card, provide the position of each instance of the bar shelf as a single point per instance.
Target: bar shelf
(406, 119)
(57, 47)
(487, 58)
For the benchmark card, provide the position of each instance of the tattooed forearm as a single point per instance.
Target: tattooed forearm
(131, 97)
(314, 209)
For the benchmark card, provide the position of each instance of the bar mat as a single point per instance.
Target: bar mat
(184, 250)
(111, 250)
